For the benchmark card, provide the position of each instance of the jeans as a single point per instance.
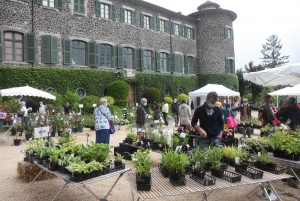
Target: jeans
(205, 142)
(176, 119)
(165, 118)
(102, 136)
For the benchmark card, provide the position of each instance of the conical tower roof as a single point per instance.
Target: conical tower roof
(208, 5)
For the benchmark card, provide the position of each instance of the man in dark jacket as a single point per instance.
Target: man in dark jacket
(175, 107)
(211, 124)
(141, 114)
(291, 113)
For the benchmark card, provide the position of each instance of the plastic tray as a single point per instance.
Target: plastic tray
(277, 170)
(181, 182)
(249, 172)
(231, 177)
(207, 181)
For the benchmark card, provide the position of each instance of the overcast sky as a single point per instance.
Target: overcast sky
(256, 20)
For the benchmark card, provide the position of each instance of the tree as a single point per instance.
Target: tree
(271, 53)
(254, 88)
(242, 83)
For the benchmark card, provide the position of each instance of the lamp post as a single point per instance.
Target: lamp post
(118, 74)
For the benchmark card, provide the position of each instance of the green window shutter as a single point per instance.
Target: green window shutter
(91, 53)
(186, 65)
(225, 32)
(97, 56)
(198, 66)
(76, 5)
(172, 62)
(137, 60)
(1, 46)
(152, 21)
(113, 12)
(54, 50)
(142, 58)
(122, 14)
(120, 57)
(67, 47)
(181, 30)
(185, 31)
(115, 57)
(157, 24)
(173, 28)
(142, 20)
(167, 26)
(98, 8)
(193, 33)
(157, 61)
(25, 0)
(233, 67)
(30, 47)
(46, 49)
(81, 6)
(59, 4)
(134, 18)
(227, 67)
(39, 2)
(180, 64)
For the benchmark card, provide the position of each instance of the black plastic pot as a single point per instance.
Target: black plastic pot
(199, 174)
(17, 142)
(217, 172)
(53, 132)
(118, 164)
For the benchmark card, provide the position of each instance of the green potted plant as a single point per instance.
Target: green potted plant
(19, 129)
(198, 160)
(131, 137)
(215, 154)
(118, 161)
(264, 161)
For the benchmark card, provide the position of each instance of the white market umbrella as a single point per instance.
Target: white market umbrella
(26, 91)
(282, 92)
(283, 75)
(220, 89)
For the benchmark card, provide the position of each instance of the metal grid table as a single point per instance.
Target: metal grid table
(2, 137)
(66, 178)
(162, 187)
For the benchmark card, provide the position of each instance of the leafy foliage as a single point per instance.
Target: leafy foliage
(152, 94)
(181, 97)
(119, 90)
(88, 102)
(110, 99)
(271, 53)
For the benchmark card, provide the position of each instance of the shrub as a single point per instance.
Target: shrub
(121, 103)
(168, 99)
(110, 99)
(72, 98)
(88, 102)
(119, 90)
(181, 97)
(58, 102)
(115, 110)
(152, 94)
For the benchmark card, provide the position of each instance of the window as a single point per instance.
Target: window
(78, 52)
(229, 66)
(13, 46)
(228, 33)
(147, 22)
(163, 25)
(79, 6)
(127, 57)
(147, 60)
(49, 3)
(80, 92)
(190, 66)
(176, 26)
(180, 91)
(163, 62)
(104, 11)
(188, 32)
(128, 16)
(167, 91)
(105, 55)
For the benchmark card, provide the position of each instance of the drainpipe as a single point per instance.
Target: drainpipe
(32, 21)
(170, 27)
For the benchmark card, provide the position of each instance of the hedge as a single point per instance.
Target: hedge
(152, 94)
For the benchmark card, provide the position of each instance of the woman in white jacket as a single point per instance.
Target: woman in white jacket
(165, 111)
(185, 114)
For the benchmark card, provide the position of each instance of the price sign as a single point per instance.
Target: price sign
(178, 149)
(182, 135)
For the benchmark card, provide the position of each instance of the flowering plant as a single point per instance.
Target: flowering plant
(142, 162)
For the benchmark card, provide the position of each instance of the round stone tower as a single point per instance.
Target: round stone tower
(215, 39)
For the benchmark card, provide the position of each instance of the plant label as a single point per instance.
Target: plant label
(154, 131)
(50, 159)
(160, 145)
(59, 162)
(187, 145)
(149, 144)
(169, 131)
(139, 130)
(142, 142)
(258, 153)
(178, 149)
(182, 135)
(41, 155)
(237, 160)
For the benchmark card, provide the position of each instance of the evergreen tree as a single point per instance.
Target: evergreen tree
(271, 53)
(242, 82)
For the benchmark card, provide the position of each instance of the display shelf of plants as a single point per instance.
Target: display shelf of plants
(250, 122)
(80, 162)
(265, 162)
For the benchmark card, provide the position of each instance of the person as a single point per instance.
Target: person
(211, 123)
(24, 109)
(291, 112)
(102, 117)
(185, 114)
(234, 107)
(245, 109)
(285, 103)
(67, 108)
(141, 114)
(266, 113)
(175, 107)
(155, 109)
(51, 110)
(42, 108)
(227, 110)
(192, 106)
(165, 111)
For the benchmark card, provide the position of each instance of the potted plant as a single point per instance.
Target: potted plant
(131, 137)
(18, 128)
(142, 164)
(198, 160)
(118, 161)
(264, 161)
(162, 141)
(215, 154)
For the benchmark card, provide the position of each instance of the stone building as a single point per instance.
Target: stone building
(130, 35)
